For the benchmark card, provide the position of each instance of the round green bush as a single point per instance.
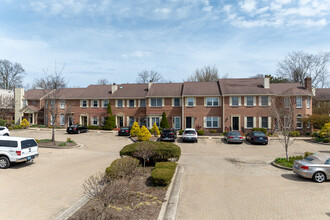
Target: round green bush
(122, 167)
(295, 134)
(260, 129)
(161, 176)
(326, 140)
(167, 165)
(200, 132)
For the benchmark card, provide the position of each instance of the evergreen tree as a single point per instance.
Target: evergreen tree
(164, 122)
(110, 120)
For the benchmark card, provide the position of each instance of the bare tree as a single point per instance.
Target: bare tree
(259, 75)
(204, 74)
(149, 76)
(298, 65)
(103, 81)
(7, 105)
(11, 75)
(145, 150)
(52, 84)
(282, 111)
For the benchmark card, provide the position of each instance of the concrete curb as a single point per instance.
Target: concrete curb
(279, 166)
(70, 211)
(64, 147)
(169, 207)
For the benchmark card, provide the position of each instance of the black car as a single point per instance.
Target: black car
(76, 129)
(124, 131)
(257, 137)
(168, 135)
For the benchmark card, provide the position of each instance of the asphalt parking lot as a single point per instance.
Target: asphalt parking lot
(236, 181)
(53, 183)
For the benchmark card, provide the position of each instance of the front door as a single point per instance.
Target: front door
(188, 122)
(84, 120)
(235, 123)
(120, 121)
(70, 120)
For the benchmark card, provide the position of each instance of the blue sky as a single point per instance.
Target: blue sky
(118, 39)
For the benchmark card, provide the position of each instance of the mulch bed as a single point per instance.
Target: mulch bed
(56, 143)
(143, 201)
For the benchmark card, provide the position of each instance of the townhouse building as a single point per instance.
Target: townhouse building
(321, 104)
(228, 104)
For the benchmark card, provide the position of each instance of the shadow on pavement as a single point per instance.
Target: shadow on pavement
(295, 177)
(20, 165)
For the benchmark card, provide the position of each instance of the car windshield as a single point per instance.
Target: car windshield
(259, 134)
(234, 134)
(189, 132)
(74, 126)
(167, 131)
(309, 158)
(124, 129)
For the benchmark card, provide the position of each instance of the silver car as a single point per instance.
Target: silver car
(316, 167)
(233, 137)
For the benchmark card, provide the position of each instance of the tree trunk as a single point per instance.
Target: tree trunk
(53, 132)
(144, 165)
(286, 154)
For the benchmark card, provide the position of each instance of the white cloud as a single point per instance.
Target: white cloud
(248, 5)
(163, 11)
(137, 54)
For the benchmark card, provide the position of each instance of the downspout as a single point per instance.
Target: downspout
(182, 113)
(223, 114)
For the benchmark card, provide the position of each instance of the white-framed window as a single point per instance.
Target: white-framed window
(62, 104)
(308, 102)
(95, 121)
(264, 101)
(156, 102)
(249, 100)
(249, 122)
(264, 122)
(131, 103)
(298, 102)
(62, 119)
(25, 102)
(212, 122)
(176, 102)
(142, 103)
(287, 122)
(84, 103)
(95, 103)
(52, 103)
(155, 120)
(212, 101)
(120, 103)
(131, 121)
(299, 122)
(105, 103)
(287, 102)
(177, 122)
(234, 100)
(52, 119)
(190, 101)
(103, 120)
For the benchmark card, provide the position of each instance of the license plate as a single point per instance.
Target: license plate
(296, 166)
(261, 138)
(236, 138)
(29, 158)
(70, 129)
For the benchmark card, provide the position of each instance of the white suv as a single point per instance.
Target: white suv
(189, 134)
(4, 131)
(16, 149)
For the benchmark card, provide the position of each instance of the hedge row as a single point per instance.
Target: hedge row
(163, 173)
(164, 151)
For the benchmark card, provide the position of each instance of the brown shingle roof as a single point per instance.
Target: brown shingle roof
(165, 90)
(200, 89)
(130, 91)
(322, 94)
(34, 94)
(289, 89)
(252, 86)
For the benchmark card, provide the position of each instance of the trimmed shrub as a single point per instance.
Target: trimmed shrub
(2, 122)
(69, 140)
(326, 140)
(62, 144)
(307, 133)
(135, 130)
(25, 123)
(164, 122)
(180, 132)
(144, 134)
(161, 176)
(316, 134)
(264, 130)
(92, 127)
(167, 165)
(42, 126)
(213, 131)
(164, 151)
(122, 168)
(10, 128)
(325, 131)
(200, 132)
(295, 134)
(307, 154)
(154, 130)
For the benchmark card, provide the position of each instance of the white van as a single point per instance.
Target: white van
(16, 149)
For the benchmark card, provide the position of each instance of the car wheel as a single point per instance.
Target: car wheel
(6, 134)
(319, 177)
(4, 163)
(78, 131)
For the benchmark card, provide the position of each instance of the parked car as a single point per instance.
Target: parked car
(17, 149)
(168, 135)
(233, 137)
(124, 131)
(189, 134)
(257, 137)
(76, 129)
(316, 167)
(4, 131)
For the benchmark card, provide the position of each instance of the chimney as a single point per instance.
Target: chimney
(308, 83)
(114, 88)
(149, 85)
(266, 82)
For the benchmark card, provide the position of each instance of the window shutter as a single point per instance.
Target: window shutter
(260, 122)
(245, 100)
(116, 103)
(254, 122)
(205, 101)
(254, 100)
(194, 101)
(269, 101)
(172, 102)
(163, 102)
(220, 100)
(239, 101)
(269, 122)
(127, 120)
(230, 101)
(259, 100)
(149, 102)
(204, 122)
(80, 103)
(245, 122)
(186, 101)
(219, 122)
